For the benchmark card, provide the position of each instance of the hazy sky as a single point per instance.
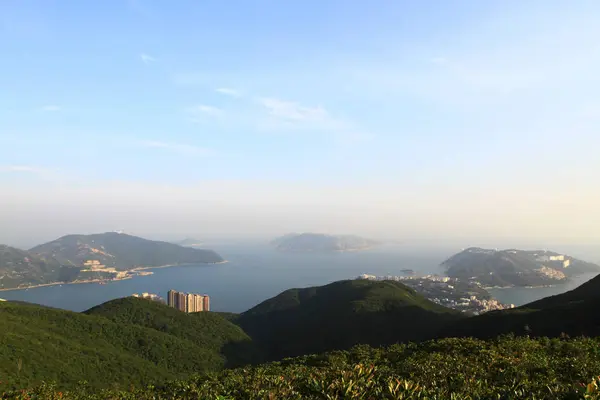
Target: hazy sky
(455, 120)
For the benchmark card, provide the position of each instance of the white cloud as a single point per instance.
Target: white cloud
(206, 110)
(147, 58)
(229, 92)
(283, 114)
(177, 147)
(293, 111)
(51, 108)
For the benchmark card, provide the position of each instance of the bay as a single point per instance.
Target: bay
(255, 272)
(519, 296)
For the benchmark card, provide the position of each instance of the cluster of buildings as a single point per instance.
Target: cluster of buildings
(449, 292)
(149, 296)
(472, 304)
(558, 258)
(188, 302)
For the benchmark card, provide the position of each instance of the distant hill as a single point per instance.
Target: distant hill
(340, 315)
(124, 342)
(514, 267)
(316, 242)
(189, 242)
(121, 251)
(20, 267)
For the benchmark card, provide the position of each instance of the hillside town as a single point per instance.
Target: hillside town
(449, 292)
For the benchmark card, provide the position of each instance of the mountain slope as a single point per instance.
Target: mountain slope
(205, 329)
(20, 267)
(514, 267)
(315, 242)
(121, 251)
(51, 344)
(340, 315)
(573, 313)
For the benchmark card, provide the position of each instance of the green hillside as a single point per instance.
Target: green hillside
(20, 267)
(514, 267)
(340, 315)
(208, 330)
(450, 369)
(121, 251)
(39, 343)
(574, 313)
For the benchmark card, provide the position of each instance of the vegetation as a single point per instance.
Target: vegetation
(340, 315)
(19, 267)
(573, 313)
(110, 346)
(512, 267)
(63, 260)
(122, 251)
(458, 369)
(137, 349)
(208, 330)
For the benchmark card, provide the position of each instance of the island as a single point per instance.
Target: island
(317, 242)
(93, 258)
(512, 267)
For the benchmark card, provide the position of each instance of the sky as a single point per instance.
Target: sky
(462, 121)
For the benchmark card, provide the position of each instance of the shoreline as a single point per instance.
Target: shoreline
(101, 280)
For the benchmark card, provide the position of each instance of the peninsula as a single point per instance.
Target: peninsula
(508, 268)
(316, 242)
(93, 258)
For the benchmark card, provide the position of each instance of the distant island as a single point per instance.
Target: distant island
(93, 258)
(508, 268)
(317, 242)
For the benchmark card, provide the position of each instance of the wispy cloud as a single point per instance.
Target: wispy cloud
(293, 111)
(146, 58)
(41, 172)
(229, 92)
(282, 113)
(185, 149)
(203, 109)
(51, 108)
(18, 168)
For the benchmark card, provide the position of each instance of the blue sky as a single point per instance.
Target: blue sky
(406, 96)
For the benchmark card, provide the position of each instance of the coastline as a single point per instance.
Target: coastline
(131, 274)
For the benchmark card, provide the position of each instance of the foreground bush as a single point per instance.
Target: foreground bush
(457, 369)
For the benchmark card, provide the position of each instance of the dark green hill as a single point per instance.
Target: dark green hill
(574, 313)
(121, 251)
(209, 330)
(459, 369)
(340, 315)
(23, 268)
(39, 343)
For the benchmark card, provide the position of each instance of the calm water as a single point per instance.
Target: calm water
(253, 274)
(520, 296)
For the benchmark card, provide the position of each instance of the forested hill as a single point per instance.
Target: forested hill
(122, 251)
(515, 267)
(126, 341)
(340, 315)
